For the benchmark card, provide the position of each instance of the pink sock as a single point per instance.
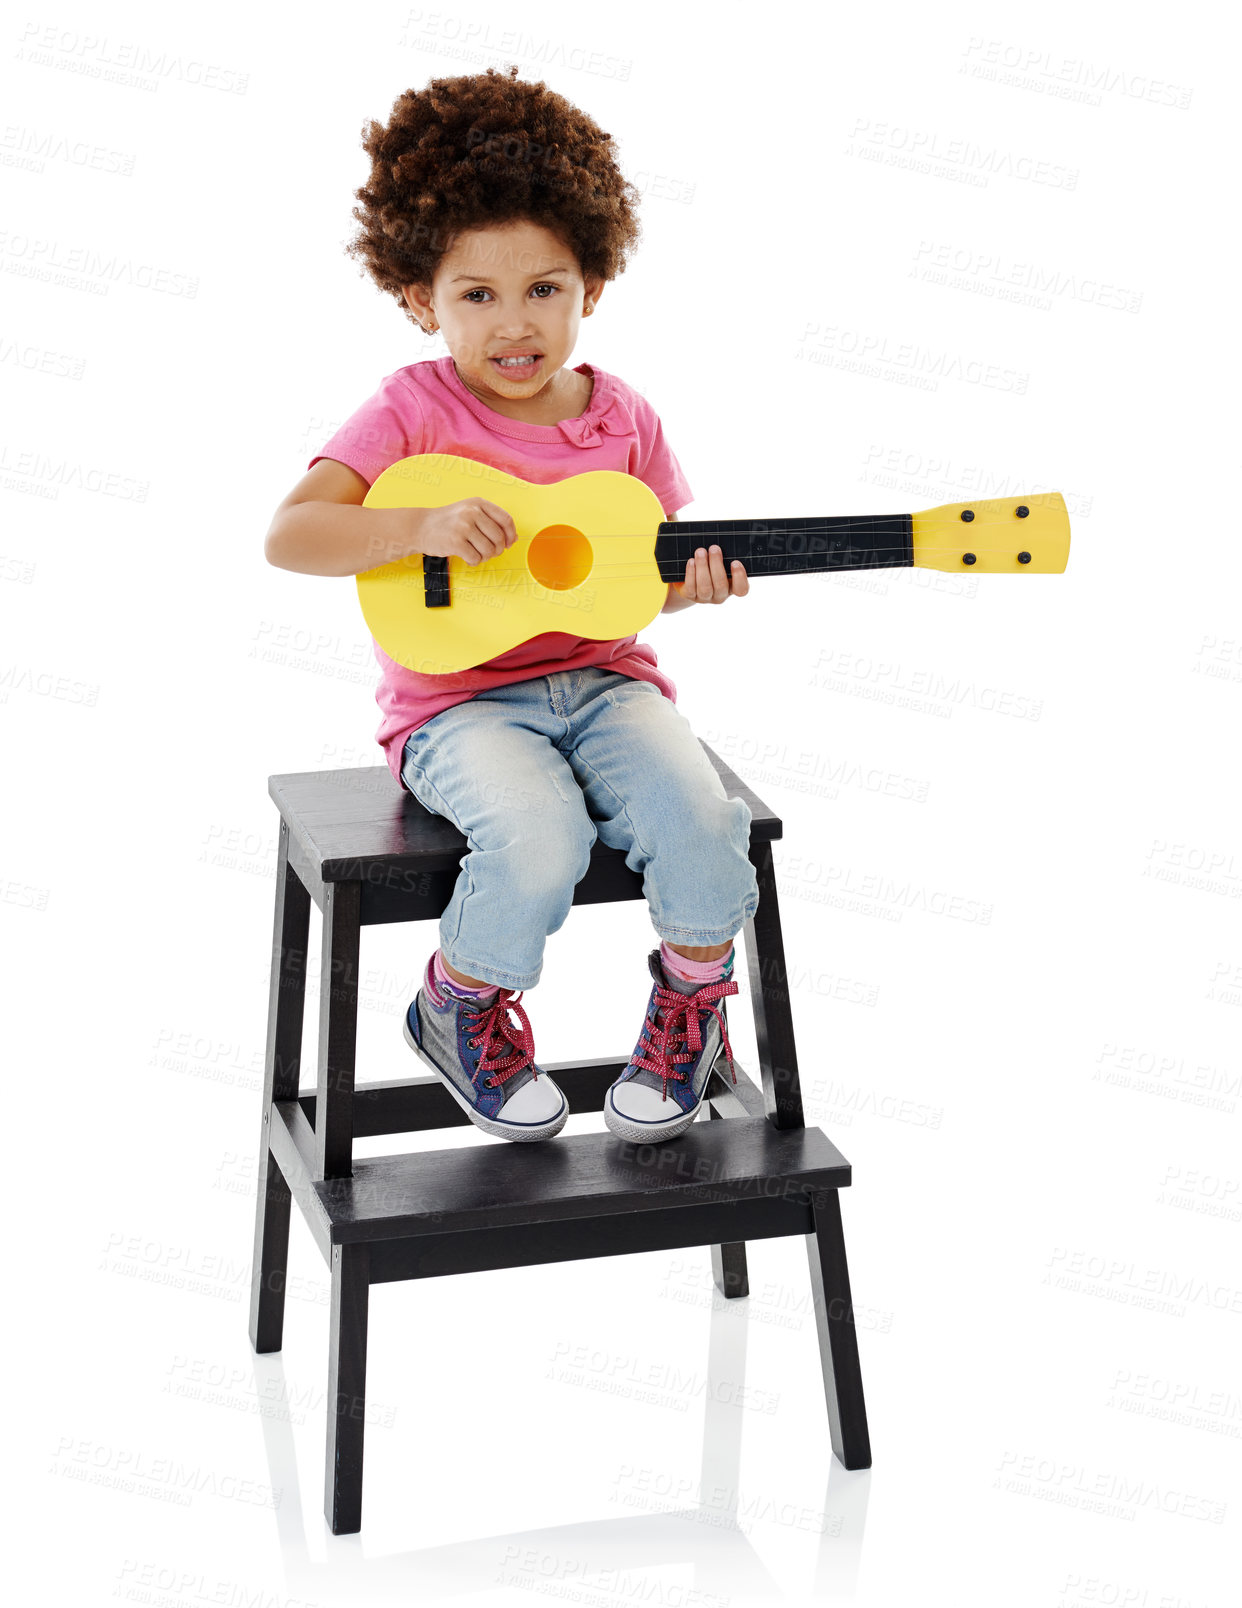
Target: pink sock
(446, 984)
(695, 971)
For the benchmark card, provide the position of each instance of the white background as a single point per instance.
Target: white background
(893, 257)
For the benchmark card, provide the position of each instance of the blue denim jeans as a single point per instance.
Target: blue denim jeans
(533, 772)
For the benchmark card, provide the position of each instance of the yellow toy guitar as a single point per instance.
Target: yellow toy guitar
(594, 556)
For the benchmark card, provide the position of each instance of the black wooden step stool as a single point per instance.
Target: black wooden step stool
(368, 852)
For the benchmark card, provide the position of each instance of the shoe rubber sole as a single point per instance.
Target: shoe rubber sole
(499, 1130)
(651, 1132)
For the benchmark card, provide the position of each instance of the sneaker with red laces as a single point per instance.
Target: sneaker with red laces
(486, 1061)
(659, 1094)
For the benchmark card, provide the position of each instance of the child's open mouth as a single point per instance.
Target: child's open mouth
(526, 365)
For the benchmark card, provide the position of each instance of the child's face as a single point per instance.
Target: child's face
(514, 288)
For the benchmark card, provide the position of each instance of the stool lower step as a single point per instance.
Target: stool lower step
(743, 1170)
(660, 1228)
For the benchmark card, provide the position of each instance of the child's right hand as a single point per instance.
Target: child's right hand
(473, 529)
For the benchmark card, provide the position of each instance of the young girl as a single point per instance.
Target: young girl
(495, 214)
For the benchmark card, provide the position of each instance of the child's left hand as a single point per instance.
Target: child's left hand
(707, 580)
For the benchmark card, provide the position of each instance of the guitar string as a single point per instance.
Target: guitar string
(465, 581)
(842, 528)
(472, 575)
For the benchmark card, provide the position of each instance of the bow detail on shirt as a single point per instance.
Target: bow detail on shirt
(585, 432)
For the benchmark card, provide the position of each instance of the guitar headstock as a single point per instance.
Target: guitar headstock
(997, 536)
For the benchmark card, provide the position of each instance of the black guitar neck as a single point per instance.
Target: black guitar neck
(790, 546)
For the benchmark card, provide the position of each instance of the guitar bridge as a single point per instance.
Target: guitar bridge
(435, 582)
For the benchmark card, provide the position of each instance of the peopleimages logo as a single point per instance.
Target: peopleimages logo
(1065, 77)
(885, 679)
(925, 365)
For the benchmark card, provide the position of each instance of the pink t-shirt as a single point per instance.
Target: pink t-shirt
(425, 408)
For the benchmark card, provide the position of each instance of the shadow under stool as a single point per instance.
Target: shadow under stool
(368, 852)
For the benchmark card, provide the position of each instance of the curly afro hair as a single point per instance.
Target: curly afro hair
(482, 150)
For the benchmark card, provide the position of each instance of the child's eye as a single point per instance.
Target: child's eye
(479, 291)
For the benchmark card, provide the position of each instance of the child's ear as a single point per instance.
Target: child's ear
(418, 300)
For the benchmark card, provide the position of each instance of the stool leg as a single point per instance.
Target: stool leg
(347, 1387)
(838, 1338)
(338, 1030)
(286, 1002)
(729, 1260)
(769, 998)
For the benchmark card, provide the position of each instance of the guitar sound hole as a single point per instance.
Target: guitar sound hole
(559, 557)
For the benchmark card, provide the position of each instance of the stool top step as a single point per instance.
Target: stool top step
(583, 1176)
(346, 821)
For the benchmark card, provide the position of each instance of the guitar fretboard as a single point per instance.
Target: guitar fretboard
(790, 546)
